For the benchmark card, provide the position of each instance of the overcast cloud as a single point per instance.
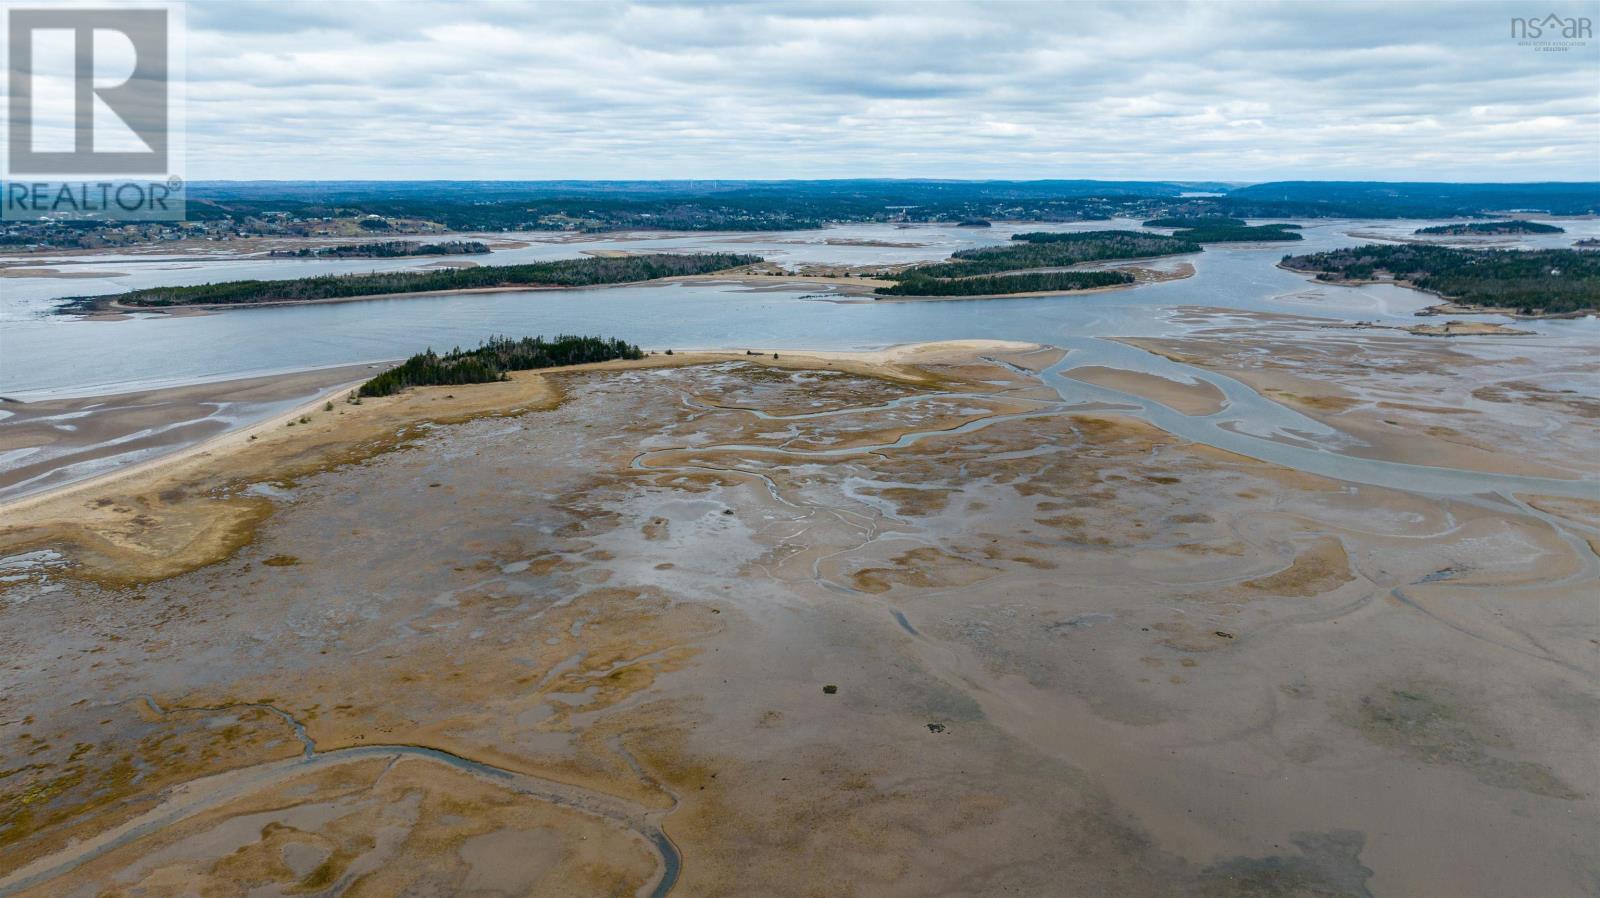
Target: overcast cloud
(959, 90)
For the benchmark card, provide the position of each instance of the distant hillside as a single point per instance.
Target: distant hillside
(224, 210)
(273, 207)
(886, 189)
(1381, 199)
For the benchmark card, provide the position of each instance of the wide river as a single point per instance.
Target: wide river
(44, 354)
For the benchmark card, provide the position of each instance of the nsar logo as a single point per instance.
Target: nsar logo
(1553, 32)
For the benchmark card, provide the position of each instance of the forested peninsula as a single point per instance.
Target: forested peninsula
(584, 272)
(388, 249)
(1527, 282)
(493, 358)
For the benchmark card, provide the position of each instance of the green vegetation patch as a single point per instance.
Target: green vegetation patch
(496, 356)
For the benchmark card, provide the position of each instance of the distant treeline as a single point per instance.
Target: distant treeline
(991, 285)
(390, 249)
(496, 356)
(1386, 199)
(1051, 250)
(1225, 233)
(1483, 228)
(1549, 281)
(564, 273)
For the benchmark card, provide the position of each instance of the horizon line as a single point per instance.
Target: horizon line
(1174, 181)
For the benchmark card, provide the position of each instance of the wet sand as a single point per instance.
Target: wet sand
(29, 272)
(1447, 329)
(1413, 399)
(896, 623)
(1466, 329)
(1197, 398)
(49, 443)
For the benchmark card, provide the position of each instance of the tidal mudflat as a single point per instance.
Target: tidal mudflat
(49, 443)
(917, 622)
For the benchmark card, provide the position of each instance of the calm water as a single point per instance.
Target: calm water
(44, 354)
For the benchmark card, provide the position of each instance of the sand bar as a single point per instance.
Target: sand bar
(1197, 398)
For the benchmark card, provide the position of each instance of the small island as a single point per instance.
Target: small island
(493, 359)
(1033, 263)
(1489, 229)
(586, 272)
(1530, 283)
(974, 223)
(1195, 221)
(1240, 233)
(1222, 229)
(389, 249)
(1004, 284)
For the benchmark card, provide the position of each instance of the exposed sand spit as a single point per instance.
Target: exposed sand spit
(1198, 398)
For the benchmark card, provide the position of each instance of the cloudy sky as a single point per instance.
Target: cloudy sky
(1228, 91)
